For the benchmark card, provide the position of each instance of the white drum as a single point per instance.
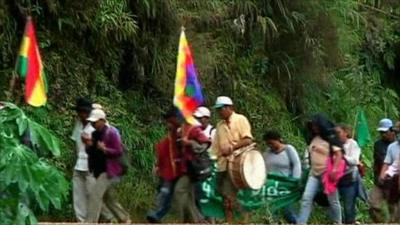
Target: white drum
(247, 168)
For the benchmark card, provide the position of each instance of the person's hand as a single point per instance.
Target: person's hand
(86, 140)
(101, 146)
(226, 150)
(155, 170)
(333, 175)
(185, 141)
(383, 177)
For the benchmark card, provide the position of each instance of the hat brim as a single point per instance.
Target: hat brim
(383, 129)
(82, 108)
(198, 115)
(93, 119)
(218, 106)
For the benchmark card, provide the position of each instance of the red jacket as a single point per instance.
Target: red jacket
(168, 161)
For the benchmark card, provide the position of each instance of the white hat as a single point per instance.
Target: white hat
(97, 114)
(222, 101)
(97, 106)
(202, 112)
(385, 125)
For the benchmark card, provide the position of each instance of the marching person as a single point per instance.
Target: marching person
(389, 178)
(378, 194)
(167, 168)
(203, 114)
(104, 151)
(322, 144)
(233, 132)
(80, 178)
(282, 159)
(349, 184)
(191, 141)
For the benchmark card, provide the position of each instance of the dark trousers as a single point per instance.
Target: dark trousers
(164, 199)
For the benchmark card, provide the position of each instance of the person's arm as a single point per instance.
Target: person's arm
(157, 150)
(195, 137)
(382, 175)
(386, 163)
(214, 151)
(296, 164)
(337, 157)
(75, 133)
(353, 158)
(113, 144)
(243, 142)
(246, 138)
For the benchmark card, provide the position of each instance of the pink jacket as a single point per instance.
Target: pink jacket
(330, 185)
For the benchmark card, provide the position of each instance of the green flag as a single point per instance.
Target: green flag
(361, 128)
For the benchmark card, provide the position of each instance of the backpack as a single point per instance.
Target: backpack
(124, 160)
(200, 167)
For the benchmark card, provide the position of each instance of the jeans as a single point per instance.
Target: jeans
(289, 215)
(164, 199)
(313, 186)
(348, 194)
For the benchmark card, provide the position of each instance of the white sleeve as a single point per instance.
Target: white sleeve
(389, 156)
(296, 164)
(76, 133)
(353, 154)
(88, 131)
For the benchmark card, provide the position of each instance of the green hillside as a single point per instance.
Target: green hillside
(279, 60)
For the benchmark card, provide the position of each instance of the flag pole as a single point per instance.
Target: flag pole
(11, 88)
(15, 77)
(355, 124)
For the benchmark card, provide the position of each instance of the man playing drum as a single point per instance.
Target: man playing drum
(233, 132)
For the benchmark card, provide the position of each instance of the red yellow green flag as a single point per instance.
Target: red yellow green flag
(29, 66)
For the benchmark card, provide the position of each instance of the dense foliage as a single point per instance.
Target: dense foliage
(26, 179)
(280, 61)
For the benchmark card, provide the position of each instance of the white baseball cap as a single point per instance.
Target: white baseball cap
(385, 125)
(96, 115)
(97, 106)
(202, 112)
(222, 101)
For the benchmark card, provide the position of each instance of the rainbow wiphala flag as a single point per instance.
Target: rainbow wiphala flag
(188, 94)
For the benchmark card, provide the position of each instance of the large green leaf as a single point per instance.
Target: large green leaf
(43, 138)
(25, 177)
(16, 123)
